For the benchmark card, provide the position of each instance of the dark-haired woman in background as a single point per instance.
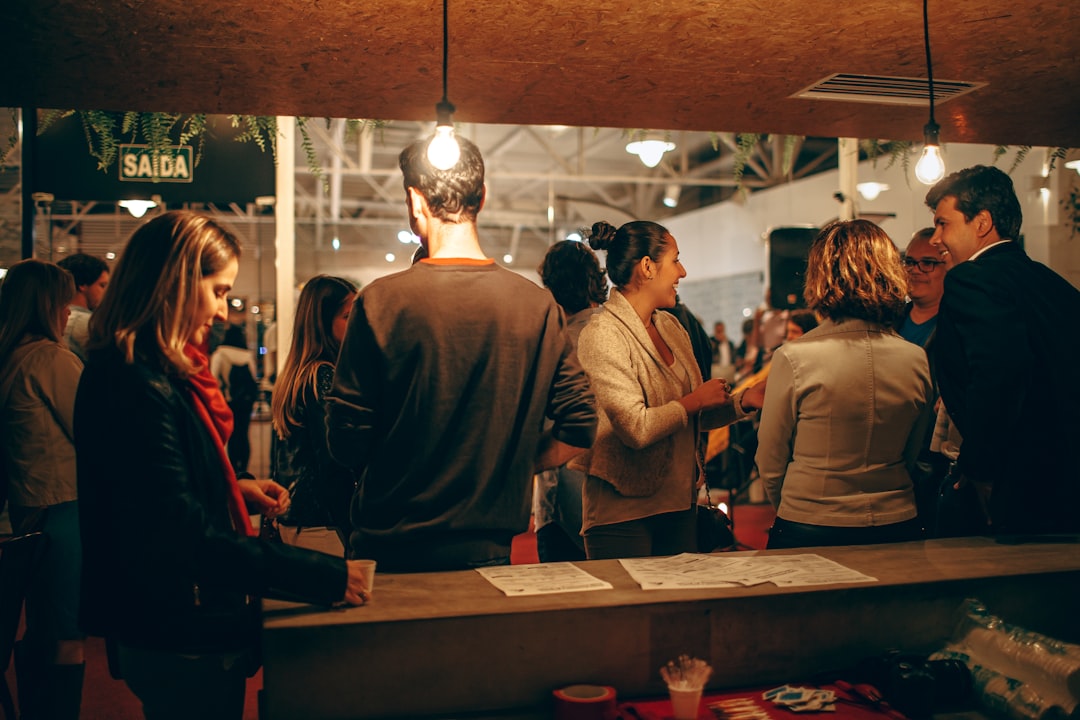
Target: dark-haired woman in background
(321, 489)
(38, 380)
(846, 403)
(572, 273)
(643, 469)
(172, 569)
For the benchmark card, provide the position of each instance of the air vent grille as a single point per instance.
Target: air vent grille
(885, 89)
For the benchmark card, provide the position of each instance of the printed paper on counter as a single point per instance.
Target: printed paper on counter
(541, 579)
(691, 570)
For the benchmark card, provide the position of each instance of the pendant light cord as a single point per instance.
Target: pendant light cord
(446, 49)
(929, 63)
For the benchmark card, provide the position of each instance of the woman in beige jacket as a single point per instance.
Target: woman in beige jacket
(847, 403)
(642, 471)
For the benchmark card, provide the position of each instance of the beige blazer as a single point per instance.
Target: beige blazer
(643, 461)
(845, 414)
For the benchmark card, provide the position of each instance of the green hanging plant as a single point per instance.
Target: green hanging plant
(1071, 206)
(744, 150)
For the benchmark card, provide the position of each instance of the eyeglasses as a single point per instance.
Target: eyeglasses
(925, 264)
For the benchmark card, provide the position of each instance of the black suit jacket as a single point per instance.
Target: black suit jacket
(1006, 349)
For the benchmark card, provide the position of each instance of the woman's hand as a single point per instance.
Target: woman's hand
(706, 396)
(753, 397)
(356, 590)
(265, 497)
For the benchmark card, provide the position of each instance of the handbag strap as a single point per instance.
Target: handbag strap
(704, 476)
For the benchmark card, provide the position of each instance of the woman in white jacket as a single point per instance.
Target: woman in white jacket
(643, 470)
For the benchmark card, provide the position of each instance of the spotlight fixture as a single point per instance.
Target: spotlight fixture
(1074, 165)
(870, 190)
(137, 208)
(671, 195)
(931, 166)
(443, 151)
(650, 149)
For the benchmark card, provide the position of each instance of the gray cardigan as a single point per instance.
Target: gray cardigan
(643, 461)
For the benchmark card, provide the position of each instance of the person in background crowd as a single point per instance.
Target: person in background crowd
(172, 569)
(445, 376)
(320, 488)
(234, 367)
(926, 285)
(91, 279)
(847, 403)
(38, 379)
(723, 348)
(644, 469)
(799, 323)
(572, 273)
(1005, 362)
(744, 361)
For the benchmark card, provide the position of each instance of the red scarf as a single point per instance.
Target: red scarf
(217, 417)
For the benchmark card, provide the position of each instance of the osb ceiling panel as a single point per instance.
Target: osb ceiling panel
(672, 64)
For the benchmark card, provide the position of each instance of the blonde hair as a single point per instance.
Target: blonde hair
(854, 271)
(312, 346)
(149, 309)
(32, 296)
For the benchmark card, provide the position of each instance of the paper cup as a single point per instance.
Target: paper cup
(368, 568)
(685, 702)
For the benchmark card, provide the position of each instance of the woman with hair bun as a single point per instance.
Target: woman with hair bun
(643, 471)
(847, 402)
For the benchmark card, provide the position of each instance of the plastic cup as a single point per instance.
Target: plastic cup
(368, 568)
(685, 702)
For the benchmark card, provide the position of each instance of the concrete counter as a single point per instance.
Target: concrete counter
(450, 644)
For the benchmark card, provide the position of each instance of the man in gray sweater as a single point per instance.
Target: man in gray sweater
(445, 376)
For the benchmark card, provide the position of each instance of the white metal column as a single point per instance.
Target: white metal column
(285, 237)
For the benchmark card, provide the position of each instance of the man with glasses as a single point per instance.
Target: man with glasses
(1005, 352)
(926, 284)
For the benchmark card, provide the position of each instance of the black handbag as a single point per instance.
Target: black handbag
(713, 525)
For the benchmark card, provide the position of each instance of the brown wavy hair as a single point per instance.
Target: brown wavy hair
(854, 272)
(148, 310)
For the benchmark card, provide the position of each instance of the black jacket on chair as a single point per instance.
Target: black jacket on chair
(163, 567)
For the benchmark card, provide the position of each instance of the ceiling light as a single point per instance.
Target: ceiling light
(443, 151)
(391, 257)
(650, 150)
(1074, 165)
(870, 190)
(671, 195)
(405, 237)
(931, 166)
(336, 243)
(574, 237)
(508, 258)
(137, 208)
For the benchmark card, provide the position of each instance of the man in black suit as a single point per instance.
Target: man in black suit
(1007, 349)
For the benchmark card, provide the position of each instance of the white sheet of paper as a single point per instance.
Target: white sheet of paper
(691, 570)
(541, 579)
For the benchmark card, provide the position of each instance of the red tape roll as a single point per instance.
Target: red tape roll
(585, 702)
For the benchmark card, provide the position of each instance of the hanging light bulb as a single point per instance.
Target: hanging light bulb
(931, 166)
(650, 150)
(443, 151)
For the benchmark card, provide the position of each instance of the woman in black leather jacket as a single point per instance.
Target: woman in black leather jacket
(320, 488)
(172, 567)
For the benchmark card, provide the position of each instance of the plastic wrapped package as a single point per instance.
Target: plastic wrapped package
(1031, 657)
(1004, 695)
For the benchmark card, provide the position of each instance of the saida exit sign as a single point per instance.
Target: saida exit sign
(172, 164)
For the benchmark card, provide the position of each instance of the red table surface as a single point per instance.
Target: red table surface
(660, 708)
